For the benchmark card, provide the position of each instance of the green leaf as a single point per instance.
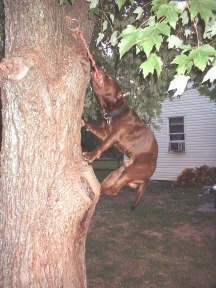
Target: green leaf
(153, 63)
(163, 28)
(151, 21)
(93, 12)
(187, 32)
(178, 84)
(198, 57)
(210, 75)
(170, 12)
(130, 36)
(150, 39)
(120, 3)
(184, 17)
(204, 8)
(184, 63)
(174, 42)
(210, 29)
(112, 17)
(105, 24)
(114, 38)
(146, 39)
(99, 38)
(157, 3)
(61, 2)
(202, 55)
(93, 3)
(139, 12)
(185, 48)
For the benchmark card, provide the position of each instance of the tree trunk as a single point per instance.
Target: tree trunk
(48, 193)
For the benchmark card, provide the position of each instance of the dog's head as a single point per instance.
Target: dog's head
(107, 90)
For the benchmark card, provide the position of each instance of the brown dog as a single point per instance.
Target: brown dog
(122, 128)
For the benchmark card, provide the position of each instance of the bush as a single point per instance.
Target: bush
(197, 177)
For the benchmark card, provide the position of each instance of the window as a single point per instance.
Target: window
(176, 134)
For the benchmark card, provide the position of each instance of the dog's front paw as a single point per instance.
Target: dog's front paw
(89, 156)
(87, 126)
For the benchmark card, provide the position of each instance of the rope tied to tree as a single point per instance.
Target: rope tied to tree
(75, 27)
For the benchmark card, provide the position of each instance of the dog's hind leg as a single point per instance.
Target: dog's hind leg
(108, 186)
(119, 178)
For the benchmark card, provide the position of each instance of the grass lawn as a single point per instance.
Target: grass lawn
(164, 242)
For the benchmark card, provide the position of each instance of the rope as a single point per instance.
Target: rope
(76, 24)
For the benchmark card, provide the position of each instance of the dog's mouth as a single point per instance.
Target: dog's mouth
(98, 78)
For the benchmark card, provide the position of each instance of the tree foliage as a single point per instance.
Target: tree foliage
(155, 46)
(186, 29)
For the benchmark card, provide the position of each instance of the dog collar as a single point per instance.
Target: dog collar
(108, 116)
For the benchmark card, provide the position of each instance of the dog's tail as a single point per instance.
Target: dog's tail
(140, 193)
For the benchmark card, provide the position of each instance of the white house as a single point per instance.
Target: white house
(187, 137)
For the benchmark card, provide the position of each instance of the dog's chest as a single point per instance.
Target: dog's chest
(108, 128)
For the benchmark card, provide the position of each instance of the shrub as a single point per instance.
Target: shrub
(197, 177)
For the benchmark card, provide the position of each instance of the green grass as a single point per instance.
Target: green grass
(164, 242)
(101, 165)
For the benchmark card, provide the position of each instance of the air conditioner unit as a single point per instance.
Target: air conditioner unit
(176, 146)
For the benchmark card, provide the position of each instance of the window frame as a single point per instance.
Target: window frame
(176, 134)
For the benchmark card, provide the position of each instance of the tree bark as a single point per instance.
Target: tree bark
(48, 192)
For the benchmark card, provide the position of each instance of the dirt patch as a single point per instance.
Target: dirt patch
(152, 233)
(189, 232)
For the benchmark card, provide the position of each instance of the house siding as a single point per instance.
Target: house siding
(200, 135)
